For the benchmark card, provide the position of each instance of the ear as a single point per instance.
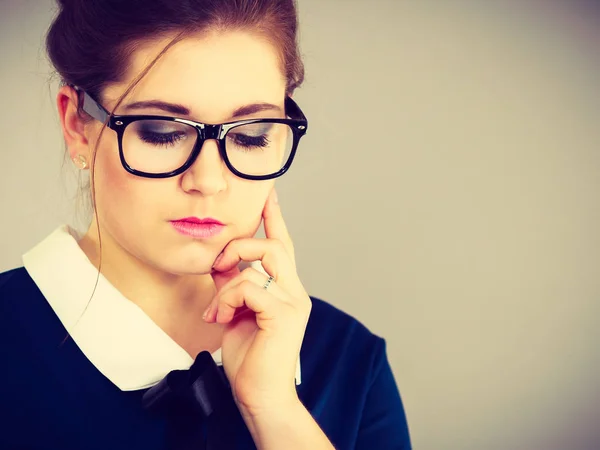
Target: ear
(73, 125)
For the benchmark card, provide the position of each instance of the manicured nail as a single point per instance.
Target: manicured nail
(218, 260)
(205, 316)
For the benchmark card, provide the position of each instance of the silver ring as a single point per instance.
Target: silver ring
(271, 278)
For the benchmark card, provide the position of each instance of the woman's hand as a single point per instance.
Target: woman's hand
(265, 327)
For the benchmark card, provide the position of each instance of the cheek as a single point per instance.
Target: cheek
(109, 182)
(119, 195)
(249, 201)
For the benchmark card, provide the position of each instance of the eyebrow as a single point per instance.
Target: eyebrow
(181, 110)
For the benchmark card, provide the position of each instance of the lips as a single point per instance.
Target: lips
(198, 228)
(196, 220)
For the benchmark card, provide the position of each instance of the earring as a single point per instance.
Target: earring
(80, 161)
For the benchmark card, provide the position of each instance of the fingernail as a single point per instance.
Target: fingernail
(205, 315)
(218, 260)
(275, 199)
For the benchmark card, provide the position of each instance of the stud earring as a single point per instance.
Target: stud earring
(80, 161)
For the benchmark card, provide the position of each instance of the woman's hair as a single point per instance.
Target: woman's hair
(90, 42)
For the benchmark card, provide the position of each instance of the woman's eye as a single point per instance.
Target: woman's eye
(247, 141)
(156, 138)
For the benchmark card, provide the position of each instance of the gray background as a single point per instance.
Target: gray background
(447, 195)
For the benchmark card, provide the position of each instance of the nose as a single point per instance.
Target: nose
(207, 174)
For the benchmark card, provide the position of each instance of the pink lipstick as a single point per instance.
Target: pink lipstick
(198, 228)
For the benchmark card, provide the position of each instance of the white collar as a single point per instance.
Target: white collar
(115, 334)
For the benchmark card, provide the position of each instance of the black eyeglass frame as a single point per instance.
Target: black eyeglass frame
(297, 122)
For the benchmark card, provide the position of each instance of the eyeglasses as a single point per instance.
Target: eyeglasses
(161, 147)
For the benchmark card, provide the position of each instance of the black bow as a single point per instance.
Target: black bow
(198, 403)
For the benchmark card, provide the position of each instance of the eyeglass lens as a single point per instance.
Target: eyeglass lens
(161, 146)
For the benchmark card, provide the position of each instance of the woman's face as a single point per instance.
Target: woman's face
(211, 76)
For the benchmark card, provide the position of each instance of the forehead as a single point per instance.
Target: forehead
(212, 75)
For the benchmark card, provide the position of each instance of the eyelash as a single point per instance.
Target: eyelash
(170, 139)
(263, 141)
(161, 139)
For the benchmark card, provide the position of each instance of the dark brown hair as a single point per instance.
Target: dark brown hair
(90, 41)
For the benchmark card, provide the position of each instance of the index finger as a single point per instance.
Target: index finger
(270, 252)
(274, 224)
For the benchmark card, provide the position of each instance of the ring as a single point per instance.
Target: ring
(271, 278)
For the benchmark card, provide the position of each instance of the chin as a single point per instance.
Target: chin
(187, 269)
(190, 261)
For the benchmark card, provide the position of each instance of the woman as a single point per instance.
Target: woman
(181, 111)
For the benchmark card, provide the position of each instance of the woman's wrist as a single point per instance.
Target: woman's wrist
(287, 426)
(263, 416)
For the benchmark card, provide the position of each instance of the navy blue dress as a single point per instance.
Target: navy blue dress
(53, 397)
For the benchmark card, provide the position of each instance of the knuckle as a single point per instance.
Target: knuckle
(252, 275)
(277, 245)
(246, 286)
(223, 299)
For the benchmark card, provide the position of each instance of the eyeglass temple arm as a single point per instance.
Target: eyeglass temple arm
(92, 107)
